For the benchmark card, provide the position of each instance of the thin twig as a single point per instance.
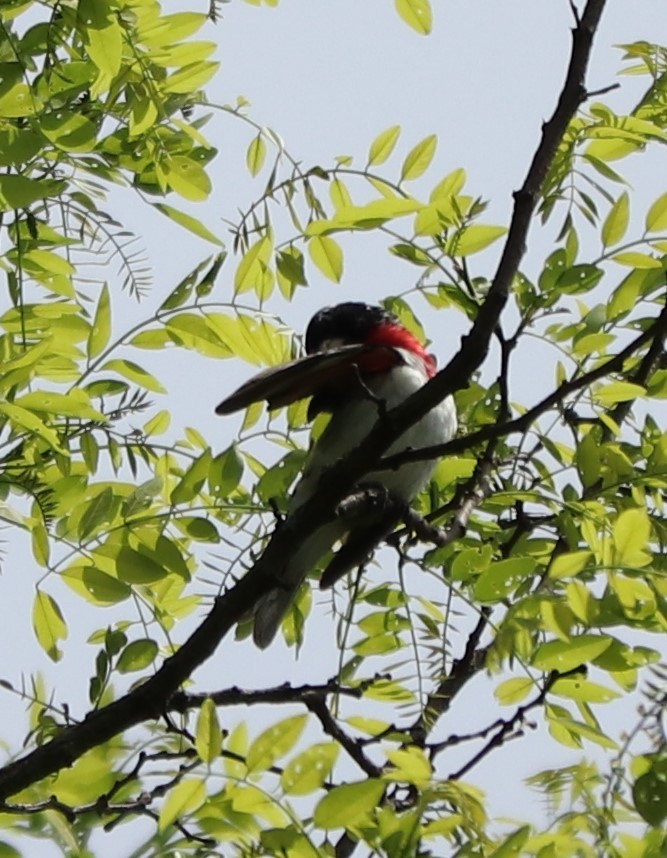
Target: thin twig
(319, 709)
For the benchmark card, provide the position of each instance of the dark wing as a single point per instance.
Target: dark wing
(301, 378)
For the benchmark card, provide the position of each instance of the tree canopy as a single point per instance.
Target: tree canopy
(531, 568)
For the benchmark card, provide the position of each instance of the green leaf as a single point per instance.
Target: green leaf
(569, 564)
(46, 261)
(157, 425)
(199, 529)
(412, 766)
(514, 690)
(29, 421)
(76, 403)
(253, 265)
(192, 481)
(389, 691)
(190, 223)
(187, 177)
(656, 217)
(237, 743)
(649, 793)
(173, 28)
(170, 554)
(208, 736)
(383, 145)
(192, 77)
(48, 623)
(585, 731)
(349, 804)
(97, 512)
(133, 372)
(327, 256)
(512, 846)
(153, 338)
(256, 155)
(19, 101)
(308, 771)
(184, 54)
(579, 278)
(502, 577)
(368, 216)
(588, 459)
(419, 158)
(102, 35)
(291, 271)
(631, 536)
(69, 131)
(580, 601)
(616, 222)
(193, 331)
(184, 798)
(416, 14)
(471, 239)
(618, 391)
(225, 473)
(184, 290)
(137, 655)
(251, 800)
(564, 656)
(633, 259)
(274, 743)
(581, 690)
(19, 192)
(136, 568)
(39, 535)
(141, 497)
(100, 331)
(450, 186)
(96, 586)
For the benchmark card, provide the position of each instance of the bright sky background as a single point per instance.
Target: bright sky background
(328, 76)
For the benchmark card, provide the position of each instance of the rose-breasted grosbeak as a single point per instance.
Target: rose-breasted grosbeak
(361, 361)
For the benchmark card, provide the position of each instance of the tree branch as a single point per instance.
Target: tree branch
(507, 729)
(319, 709)
(462, 670)
(286, 693)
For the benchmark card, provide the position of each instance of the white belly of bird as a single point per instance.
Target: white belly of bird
(351, 424)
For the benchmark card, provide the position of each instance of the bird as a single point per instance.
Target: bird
(360, 362)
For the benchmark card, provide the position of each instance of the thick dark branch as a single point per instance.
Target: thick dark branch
(148, 700)
(286, 693)
(463, 669)
(144, 703)
(647, 366)
(319, 709)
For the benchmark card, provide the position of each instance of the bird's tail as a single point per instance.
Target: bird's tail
(269, 614)
(272, 607)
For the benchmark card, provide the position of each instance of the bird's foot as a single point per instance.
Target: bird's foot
(369, 501)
